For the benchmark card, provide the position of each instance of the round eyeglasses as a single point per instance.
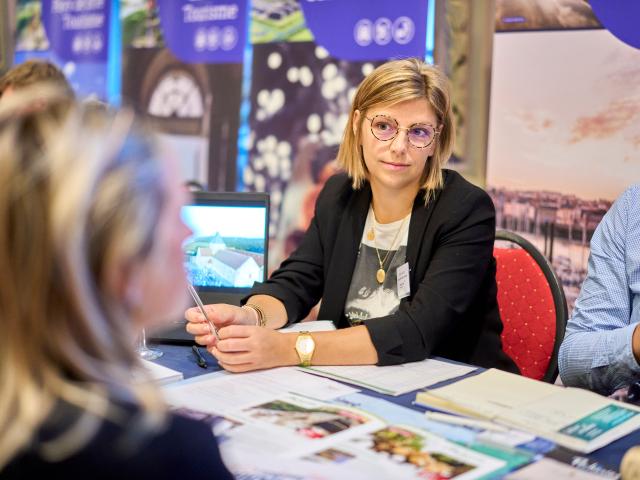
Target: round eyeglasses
(385, 128)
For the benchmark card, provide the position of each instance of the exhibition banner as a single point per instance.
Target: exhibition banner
(620, 18)
(207, 31)
(380, 31)
(78, 30)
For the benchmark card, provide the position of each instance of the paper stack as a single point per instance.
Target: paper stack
(160, 374)
(575, 418)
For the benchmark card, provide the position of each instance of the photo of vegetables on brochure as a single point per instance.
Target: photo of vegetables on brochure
(406, 446)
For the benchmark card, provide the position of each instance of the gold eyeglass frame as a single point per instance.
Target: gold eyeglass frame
(436, 130)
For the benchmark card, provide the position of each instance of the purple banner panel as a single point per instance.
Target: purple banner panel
(620, 17)
(78, 30)
(205, 31)
(373, 30)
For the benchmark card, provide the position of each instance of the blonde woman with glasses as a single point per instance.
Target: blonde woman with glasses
(400, 250)
(90, 252)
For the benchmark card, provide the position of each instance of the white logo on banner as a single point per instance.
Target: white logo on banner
(382, 31)
(85, 43)
(214, 38)
(200, 39)
(362, 32)
(229, 37)
(401, 31)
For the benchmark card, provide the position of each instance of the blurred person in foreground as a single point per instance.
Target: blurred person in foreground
(90, 253)
(30, 73)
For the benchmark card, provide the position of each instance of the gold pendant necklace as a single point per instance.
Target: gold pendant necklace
(381, 274)
(371, 234)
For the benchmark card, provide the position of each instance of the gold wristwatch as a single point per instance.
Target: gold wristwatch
(305, 346)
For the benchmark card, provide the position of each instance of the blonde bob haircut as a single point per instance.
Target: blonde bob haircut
(391, 83)
(81, 191)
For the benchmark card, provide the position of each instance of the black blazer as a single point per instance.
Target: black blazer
(452, 310)
(122, 448)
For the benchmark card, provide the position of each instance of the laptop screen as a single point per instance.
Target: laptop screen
(227, 251)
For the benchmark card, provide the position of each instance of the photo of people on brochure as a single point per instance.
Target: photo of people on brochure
(312, 423)
(331, 455)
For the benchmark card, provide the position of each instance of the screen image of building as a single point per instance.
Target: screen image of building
(211, 263)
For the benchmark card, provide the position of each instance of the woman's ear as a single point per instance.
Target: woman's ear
(356, 122)
(126, 283)
(134, 290)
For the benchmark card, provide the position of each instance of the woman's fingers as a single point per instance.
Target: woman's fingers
(198, 328)
(236, 331)
(219, 314)
(233, 345)
(206, 340)
(232, 359)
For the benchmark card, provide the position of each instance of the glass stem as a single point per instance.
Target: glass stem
(143, 342)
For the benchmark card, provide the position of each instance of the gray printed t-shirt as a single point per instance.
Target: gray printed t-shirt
(367, 298)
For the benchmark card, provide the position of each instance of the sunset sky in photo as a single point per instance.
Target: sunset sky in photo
(565, 113)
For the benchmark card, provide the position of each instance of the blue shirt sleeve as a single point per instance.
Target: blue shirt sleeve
(596, 352)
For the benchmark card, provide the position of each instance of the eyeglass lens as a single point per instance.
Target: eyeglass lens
(386, 128)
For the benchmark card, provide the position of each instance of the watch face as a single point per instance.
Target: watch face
(305, 344)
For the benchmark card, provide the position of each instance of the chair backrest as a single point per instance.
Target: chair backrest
(532, 306)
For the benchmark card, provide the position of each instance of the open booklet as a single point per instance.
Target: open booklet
(574, 418)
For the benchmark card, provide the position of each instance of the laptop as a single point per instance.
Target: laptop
(227, 252)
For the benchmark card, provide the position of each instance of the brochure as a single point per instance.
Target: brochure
(574, 418)
(395, 379)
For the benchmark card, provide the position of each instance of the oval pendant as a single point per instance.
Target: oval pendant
(370, 235)
(380, 276)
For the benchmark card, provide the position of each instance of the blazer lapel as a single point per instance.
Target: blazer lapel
(345, 254)
(420, 217)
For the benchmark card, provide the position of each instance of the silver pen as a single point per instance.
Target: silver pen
(196, 298)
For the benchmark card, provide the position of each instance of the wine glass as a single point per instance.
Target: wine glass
(144, 351)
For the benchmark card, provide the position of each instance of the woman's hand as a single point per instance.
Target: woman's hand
(243, 348)
(220, 315)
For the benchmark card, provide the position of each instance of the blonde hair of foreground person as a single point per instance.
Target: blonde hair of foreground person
(82, 199)
(391, 83)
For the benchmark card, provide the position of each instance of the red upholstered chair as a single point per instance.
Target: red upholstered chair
(532, 306)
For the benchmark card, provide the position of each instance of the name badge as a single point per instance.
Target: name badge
(402, 275)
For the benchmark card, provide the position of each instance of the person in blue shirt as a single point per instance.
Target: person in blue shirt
(601, 347)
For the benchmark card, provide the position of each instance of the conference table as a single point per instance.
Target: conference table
(181, 358)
